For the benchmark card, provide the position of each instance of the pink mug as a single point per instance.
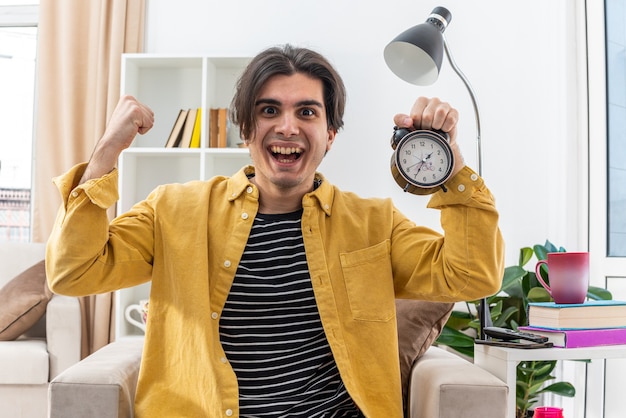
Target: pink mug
(548, 412)
(569, 276)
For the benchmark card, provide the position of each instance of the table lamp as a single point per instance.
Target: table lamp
(415, 56)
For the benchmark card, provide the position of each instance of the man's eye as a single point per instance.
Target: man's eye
(308, 112)
(269, 110)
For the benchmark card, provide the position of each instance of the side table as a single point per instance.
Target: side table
(502, 361)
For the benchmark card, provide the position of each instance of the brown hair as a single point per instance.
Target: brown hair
(286, 60)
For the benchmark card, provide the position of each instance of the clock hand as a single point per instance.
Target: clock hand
(411, 166)
(427, 157)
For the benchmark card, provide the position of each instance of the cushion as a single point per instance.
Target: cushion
(419, 324)
(23, 301)
(24, 362)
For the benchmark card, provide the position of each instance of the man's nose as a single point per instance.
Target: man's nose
(287, 125)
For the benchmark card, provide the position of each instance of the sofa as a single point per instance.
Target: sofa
(440, 384)
(40, 333)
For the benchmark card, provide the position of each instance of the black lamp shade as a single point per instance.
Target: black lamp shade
(415, 55)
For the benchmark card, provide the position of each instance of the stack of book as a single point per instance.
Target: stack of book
(589, 324)
(186, 130)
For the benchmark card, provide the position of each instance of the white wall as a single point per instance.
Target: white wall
(521, 57)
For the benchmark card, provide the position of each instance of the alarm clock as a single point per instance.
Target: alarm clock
(422, 160)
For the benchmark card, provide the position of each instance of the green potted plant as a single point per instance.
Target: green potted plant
(508, 309)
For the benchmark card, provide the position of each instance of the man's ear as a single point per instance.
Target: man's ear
(331, 138)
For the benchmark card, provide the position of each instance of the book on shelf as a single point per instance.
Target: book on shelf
(175, 136)
(195, 135)
(222, 130)
(591, 314)
(213, 128)
(218, 127)
(190, 122)
(577, 338)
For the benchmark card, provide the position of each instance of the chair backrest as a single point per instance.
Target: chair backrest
(15, 257)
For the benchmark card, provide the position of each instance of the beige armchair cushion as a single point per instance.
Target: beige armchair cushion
(23, 301)
(24, 362)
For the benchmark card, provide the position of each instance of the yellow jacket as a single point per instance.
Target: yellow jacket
(188, 239)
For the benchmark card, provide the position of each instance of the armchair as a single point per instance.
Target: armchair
(442, 385)
(41, 352)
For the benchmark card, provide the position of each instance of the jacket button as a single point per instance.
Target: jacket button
(461, 188)
(244, 216)
(229, 412)
(215, 315)
(226, 263)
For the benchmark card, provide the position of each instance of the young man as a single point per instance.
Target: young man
(272, 291)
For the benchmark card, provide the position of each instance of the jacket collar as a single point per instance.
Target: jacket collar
(322, 195)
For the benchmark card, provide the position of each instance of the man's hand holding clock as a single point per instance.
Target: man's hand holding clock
(426, 153)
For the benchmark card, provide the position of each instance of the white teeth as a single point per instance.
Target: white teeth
(285, 150)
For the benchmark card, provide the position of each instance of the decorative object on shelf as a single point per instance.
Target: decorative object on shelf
(142, 309)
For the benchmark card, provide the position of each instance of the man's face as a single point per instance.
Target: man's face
(291, 135)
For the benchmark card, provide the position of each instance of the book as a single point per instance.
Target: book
(218, 127)
(195, 135)
(190, 122)
(222, 123)
(590, 314)
(213, 130)
(175, 135)
(575, 338)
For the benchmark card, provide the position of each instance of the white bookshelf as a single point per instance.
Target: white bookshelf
(167, 84)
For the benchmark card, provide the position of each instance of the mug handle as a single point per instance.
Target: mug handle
(132, 320)
(538, 274)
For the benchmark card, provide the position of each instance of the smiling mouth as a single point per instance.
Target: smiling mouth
(286, 154)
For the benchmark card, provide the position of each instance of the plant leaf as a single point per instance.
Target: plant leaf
(511, 281)
(541, 252)
(561, 389)
(599, 293)
(454, 338)
(539, 294)
(551, 248)
(504, 317)
(525, 254)
(459, 320)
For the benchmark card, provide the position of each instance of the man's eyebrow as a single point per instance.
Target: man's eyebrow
(267, 101)
(270, 101)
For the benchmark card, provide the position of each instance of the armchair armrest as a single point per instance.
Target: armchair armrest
(63, 333)
(445, 385)
(100, 386)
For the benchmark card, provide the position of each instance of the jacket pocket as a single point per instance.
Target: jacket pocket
(369, 282)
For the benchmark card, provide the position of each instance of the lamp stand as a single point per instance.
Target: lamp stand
(484, 315)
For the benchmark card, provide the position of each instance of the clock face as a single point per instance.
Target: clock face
(424, 159)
